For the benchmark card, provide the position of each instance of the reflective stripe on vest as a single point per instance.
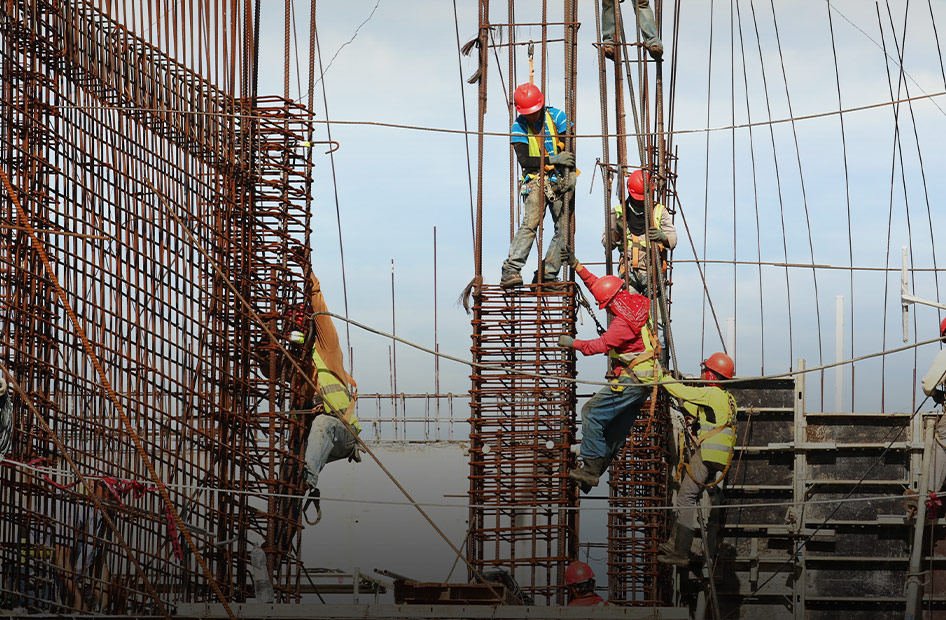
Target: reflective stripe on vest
(641, 362)
(716, 441)
(334, 393)
(534, 140)
(638, 243)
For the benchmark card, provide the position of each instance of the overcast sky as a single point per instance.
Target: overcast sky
(395, 185)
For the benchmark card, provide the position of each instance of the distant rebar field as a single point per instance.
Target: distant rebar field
(154, 244)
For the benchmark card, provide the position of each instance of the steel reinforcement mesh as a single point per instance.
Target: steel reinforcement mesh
(521, 429)
(639, 482)
(143, 213)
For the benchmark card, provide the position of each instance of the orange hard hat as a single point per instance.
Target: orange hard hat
(528, 99)
(605, 289)
(942, 328)
(635, 184)
(721, 364)
(578, 572)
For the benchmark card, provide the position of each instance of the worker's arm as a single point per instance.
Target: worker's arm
(935, 375)
(611, 237)
(619, 333)
(715, 398)
(666, 225)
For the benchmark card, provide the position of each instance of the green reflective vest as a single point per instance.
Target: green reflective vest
(637, 244)
(334, 393)
(715, 408)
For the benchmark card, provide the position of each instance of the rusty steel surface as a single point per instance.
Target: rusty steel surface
(639, 482)
(160, 198)
(521, 430)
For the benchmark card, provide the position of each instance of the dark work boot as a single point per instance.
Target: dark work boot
(676, 551)
(587, 476)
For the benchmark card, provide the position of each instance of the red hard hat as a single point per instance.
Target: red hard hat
(942, 328)
(721, 364)
(605, 289)
(528, 98)
(635, 184)
(578, 572)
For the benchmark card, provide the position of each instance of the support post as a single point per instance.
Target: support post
(914, 576)
(799, 491)
(838, 352)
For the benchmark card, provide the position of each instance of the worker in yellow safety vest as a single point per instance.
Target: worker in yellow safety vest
(715, 410)
(537, 137)
(637, 233)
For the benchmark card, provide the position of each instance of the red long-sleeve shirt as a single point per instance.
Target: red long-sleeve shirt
(619, 336)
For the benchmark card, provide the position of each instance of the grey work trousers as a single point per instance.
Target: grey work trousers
(532, 214)
(689, 495)
(645, 17)
(938, 469)
(329, 440)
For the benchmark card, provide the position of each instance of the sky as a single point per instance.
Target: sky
(775, 192)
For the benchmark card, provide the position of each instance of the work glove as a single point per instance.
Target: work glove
(568, 257)
(563, 159)
(566, 342)
(655, 234)
(938, 396)
(571, 181)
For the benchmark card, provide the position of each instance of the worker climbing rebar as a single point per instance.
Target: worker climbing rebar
(631, 220)
(714, 409)
(537, 139)
(607, 418)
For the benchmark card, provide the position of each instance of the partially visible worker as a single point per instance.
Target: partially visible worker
(580, 580)
(933, 384)
(639, 233)
(714, 409)
(606, 419)
(537, 137)
(648, 26)
(328, 391)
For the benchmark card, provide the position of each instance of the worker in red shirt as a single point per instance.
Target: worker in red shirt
(607, 418)
(580, 580)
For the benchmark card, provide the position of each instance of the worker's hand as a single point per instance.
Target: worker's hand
(566, 342)
(563, 159)
(568, 257)
(938, 396)
(571, 181)
(655, 234)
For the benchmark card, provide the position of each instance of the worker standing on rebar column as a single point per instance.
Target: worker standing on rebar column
(580, 580)
(715, 410)
(933, 384)
(607, 418)
(648, 26)
(639, 234)
(535, 121)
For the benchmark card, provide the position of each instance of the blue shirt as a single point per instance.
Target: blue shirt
(520, 133)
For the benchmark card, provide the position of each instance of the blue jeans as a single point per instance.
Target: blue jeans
(645, 16)
(329, 440)
(607, 418)
(532, 216)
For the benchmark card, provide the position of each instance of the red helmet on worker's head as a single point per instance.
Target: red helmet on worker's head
(942, 328)
(635, 184)
(721, 364)
(605, 289)
(577, 572)
(528, 99)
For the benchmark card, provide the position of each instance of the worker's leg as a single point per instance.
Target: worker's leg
(690, 489)
(648, 25)
(521, 245)
(607, 417)
(329, 440)
(607, 20)
(938, 470)
(553, 256)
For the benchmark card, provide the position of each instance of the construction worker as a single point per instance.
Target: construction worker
(535, 120)
(334, 426)
(933, 384)
(580, 580)
(646, 21)
(715, 410)
(639, 234)
(606, 419)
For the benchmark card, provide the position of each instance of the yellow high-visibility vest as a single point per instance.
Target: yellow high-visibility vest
(334, 392)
